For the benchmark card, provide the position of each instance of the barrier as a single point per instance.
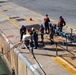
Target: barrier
(63, 34)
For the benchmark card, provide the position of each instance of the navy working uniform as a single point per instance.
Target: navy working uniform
(22, 31)
(35, 37)
(41, 29)
(51, 32)
(61, 23)
(46, 22)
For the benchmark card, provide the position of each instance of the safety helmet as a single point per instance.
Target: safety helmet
(23, 26)
(50, 24)
(41, 25)
(33, 28)
(46, 14)
(29, 29)
(60, 17)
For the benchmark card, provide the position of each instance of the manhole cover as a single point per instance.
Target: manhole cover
(20, 19)
(13, 17)
(4, 10)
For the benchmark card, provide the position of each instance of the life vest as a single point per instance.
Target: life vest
(51, 28)
(41, 29)
(36, 31)
(23, 30)
(61, 21)
(31, 32)
(46, 19)
(35, 35)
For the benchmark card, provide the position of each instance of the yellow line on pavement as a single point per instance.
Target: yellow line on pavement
(16, 25)
(74, 27)
(65, 64)
(6, 6)
(36, 20)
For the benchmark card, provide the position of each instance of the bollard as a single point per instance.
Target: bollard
(56, 50)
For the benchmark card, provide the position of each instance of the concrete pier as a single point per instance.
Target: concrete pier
(45, 60)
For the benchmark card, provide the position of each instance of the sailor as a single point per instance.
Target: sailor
(35, 37)
(26, 40)
(46, 22)
(61, 23)
(22, 31)
(30, 31)
(41, 29)
(51, 32)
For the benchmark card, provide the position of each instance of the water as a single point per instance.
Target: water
(3, 68)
